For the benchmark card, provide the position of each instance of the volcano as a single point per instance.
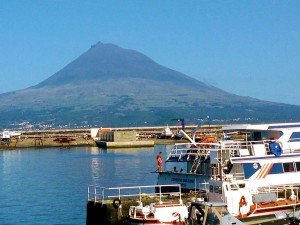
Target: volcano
(112, 86)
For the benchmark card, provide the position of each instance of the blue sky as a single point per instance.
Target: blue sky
(249, 48)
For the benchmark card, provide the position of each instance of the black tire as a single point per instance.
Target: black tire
(116, 203)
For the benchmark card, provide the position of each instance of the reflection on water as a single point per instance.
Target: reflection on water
(128, 166)
(48, 186)
(95, 150)
(95, 168)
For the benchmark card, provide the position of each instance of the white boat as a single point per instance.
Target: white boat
(164, 213)
(269, 154)
(166, 133)
(160, 210)
(250, 206)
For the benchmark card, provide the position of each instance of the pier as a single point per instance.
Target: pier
(140, 137)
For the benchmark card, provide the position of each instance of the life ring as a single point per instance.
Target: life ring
(116, 203)
(242, 201)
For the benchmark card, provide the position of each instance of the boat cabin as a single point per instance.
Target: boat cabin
(245, 203)
(287, 135)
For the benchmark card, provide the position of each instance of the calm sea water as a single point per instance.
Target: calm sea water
(49, 186)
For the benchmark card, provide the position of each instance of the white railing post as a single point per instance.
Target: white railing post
(180, 200)
(103, 195)
(140, 190)
(160, 201)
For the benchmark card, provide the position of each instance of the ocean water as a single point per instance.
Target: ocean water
(49, 185)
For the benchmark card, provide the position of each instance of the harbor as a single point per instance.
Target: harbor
(248, 176)
(250, 166)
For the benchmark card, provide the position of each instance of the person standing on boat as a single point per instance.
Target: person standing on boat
(159, 161)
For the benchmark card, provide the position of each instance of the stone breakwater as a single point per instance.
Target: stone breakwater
(85, 137)
(55, 138)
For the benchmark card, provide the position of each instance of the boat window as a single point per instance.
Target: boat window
(277, 134)
(297, 166)
(215, 189)
(218, 190)
(233, 187)
(256, 136)
(295, 137)
(288, 167)
(242, 185)
(276, 168)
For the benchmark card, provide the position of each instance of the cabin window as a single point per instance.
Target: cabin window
(277, 134)
(295, 137)
(233, 187)
(297, 166)
(218, 190)
(242, 185)
(215, 189)
(256, 136)
(288, 167)
(276, 168)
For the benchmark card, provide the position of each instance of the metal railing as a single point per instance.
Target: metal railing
(100, 194)
(189, 151)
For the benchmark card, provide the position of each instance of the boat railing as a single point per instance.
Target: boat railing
(236, 148)
(239, 148)
(101, 194)
(95, 193)
(288, 192)
(189, 151)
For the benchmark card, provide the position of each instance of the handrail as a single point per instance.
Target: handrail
(236, 148)
(98, 193)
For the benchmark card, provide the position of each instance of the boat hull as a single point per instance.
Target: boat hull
(189, 182)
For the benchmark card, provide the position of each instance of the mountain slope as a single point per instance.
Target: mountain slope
(112, 86)
(107, 61)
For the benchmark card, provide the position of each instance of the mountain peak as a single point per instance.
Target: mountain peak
(100, 44)
(109, 61)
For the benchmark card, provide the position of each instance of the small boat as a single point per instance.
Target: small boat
(166, 133)
(158, 213)
(143, 204)
(250, 206)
